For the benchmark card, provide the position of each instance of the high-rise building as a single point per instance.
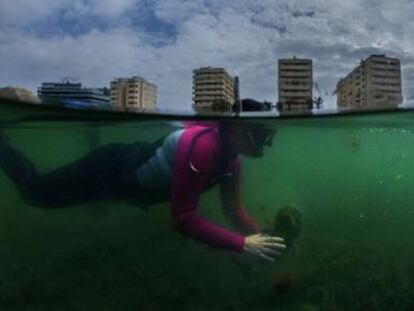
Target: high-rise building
(118, 92)
(135, 92)
(210, 85)
(376, 82)
(295, 84)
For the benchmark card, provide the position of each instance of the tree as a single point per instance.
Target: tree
(309, 103)
(279, 106)
(318, 101)
(220, 105)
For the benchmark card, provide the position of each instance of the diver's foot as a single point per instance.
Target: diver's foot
(3, 137)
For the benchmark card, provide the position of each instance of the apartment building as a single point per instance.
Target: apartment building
(295, 84)
(376, 82)
(75, 94)
(135, 92)
(212, 84)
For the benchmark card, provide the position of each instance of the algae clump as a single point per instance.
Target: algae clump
(288, 224)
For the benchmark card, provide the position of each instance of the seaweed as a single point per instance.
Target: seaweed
(288, 224)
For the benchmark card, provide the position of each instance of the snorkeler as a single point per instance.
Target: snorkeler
(178, 168)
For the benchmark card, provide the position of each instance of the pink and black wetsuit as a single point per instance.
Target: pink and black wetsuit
(197, 163)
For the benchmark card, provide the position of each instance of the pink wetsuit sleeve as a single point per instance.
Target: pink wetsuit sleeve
(187, 186)
(232, 203)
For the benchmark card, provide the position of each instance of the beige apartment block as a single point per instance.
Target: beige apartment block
(117, 92)
(211, 84)
(295, 84)
(135, 93)
(376, 82)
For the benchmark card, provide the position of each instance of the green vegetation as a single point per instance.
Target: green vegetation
(220, 105)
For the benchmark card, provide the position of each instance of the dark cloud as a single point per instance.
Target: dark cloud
(298, 13)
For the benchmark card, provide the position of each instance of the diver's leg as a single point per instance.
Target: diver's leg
(18, 168)
(97, 175)
(92, 177)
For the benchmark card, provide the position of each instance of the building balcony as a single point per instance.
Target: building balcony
(385, 74)
(290, 87)
(208, 87)
(202, 98)
(209, 76)
(295, 75)
(386, 85)
(295, 93)
(211, 92)
(295, 68)
(383, 65)
(385, 81)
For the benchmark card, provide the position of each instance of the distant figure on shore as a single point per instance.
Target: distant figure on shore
(177, 168)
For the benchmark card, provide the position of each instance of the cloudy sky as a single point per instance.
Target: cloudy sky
(164, 40)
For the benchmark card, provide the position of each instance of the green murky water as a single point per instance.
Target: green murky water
(351, 178)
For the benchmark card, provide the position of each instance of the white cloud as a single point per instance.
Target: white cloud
(179, 11)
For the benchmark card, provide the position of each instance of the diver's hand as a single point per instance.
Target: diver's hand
(264, 246)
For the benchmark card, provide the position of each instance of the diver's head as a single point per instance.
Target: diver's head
(250, 139)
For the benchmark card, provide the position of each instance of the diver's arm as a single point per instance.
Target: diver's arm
(232, 203)
(186, 191)
(187, 187)
(259, 245)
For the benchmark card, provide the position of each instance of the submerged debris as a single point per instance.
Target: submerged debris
(354, 144)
